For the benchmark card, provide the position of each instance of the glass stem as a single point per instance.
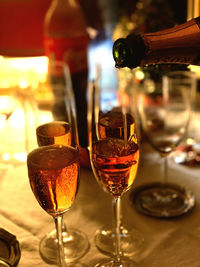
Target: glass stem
(165, 174)
(61, 256)
(64, 227)
(121, 216)
(65, 233)
(117, 224)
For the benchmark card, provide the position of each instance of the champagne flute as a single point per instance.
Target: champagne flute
(114, 153)
(164, 105)
(54, 171)
(112, 124)
(75, 242)
(54, 177)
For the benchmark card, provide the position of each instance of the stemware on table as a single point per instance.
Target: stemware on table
(54, 177)
(114, 155)
(131, 239)
(164, 105)
(75, 242)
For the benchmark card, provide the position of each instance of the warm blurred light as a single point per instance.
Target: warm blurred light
(5, 156)
(195, 69)
(21, 156)
(20, 115)
(190, 141)
(23, 72)
(139, 74)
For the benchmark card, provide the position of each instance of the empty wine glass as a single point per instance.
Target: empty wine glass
(114, 153)
(75, 242)
(8, 104)
(164, 104)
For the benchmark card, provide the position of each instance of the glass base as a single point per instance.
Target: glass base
(131, 241)
(165, 201)
(76, 264)
(75, 243)
(124, 262)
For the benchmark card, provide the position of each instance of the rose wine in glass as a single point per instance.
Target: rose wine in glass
(115, 163)
(55, 132)
(65, 133)
(75, 242)
(114, 156)
(54, 178)
(111, 124)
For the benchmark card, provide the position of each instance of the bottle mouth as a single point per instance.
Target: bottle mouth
(120, 53)
(128, 52)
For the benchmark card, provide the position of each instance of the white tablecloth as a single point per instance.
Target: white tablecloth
(173, 242)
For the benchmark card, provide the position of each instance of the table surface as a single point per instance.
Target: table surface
(171, 242)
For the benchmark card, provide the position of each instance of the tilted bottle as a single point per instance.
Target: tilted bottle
(179, 44)
(66, 39)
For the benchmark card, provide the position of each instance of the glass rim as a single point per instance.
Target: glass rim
(38, 129)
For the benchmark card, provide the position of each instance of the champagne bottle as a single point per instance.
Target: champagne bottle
(179, 44)
(66, 39)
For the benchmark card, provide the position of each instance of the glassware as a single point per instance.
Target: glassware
(75, 242)
(54, 171)
(131, 239)
(54, 177)
(114, 152)
(8, 103)
(164, 104)
(187, 153)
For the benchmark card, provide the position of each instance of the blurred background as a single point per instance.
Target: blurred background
(22, 27)
(23, 64)
(21, 21)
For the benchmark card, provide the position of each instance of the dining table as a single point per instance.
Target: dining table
(167, 242)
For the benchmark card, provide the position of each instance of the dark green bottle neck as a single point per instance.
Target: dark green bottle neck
(129, 51)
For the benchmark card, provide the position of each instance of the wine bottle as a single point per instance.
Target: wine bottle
(179, 44)
(66, 39)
